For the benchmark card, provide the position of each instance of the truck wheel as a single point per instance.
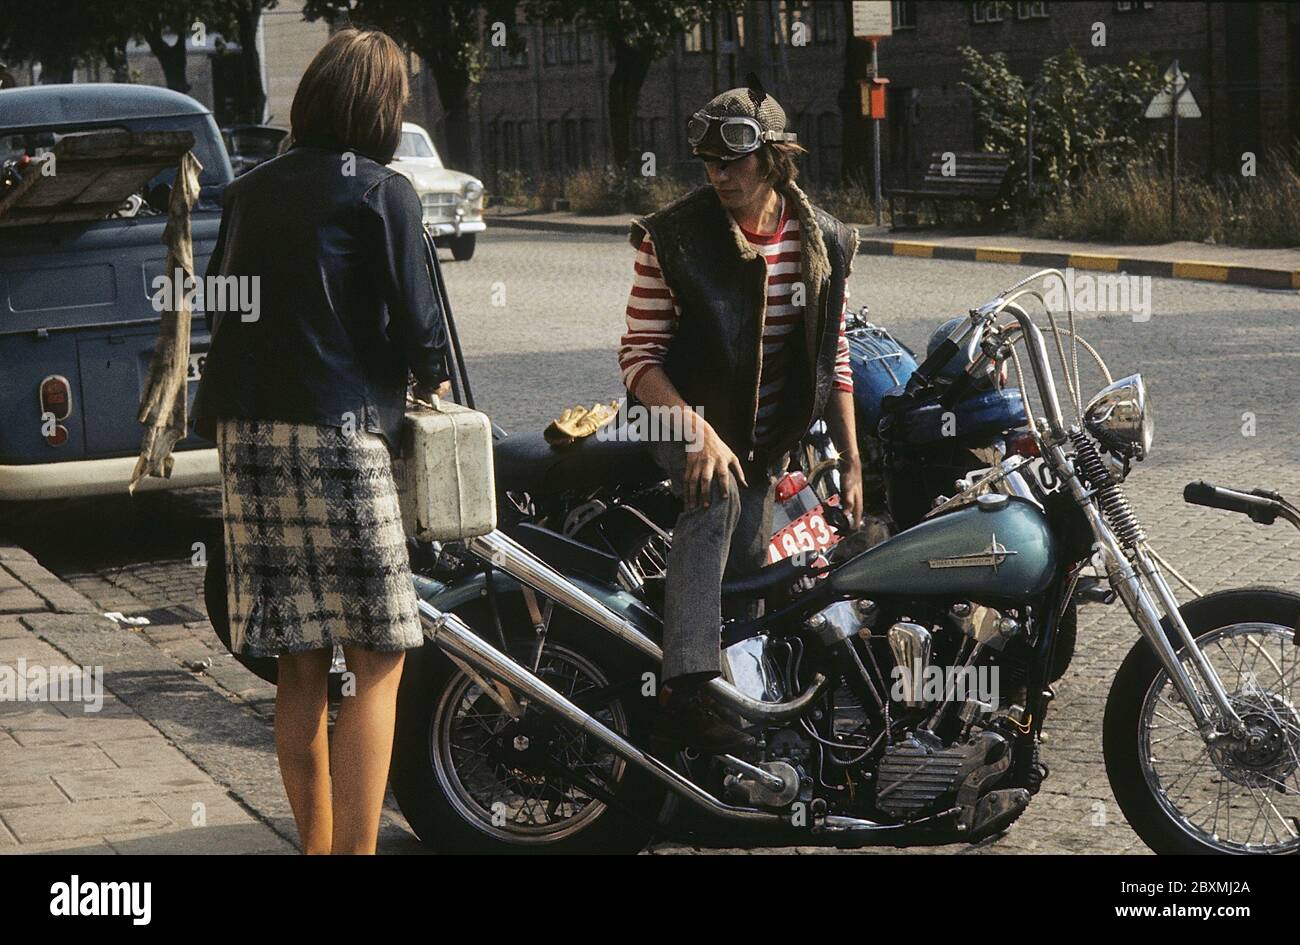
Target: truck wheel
(462, 248)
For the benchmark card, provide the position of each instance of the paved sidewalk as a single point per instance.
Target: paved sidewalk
(107, 770)
(1263, 268)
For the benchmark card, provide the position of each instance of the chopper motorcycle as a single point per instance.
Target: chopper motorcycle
(898, 693)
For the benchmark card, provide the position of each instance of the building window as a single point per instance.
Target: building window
(988, 11)
(563, 44)
(904, 14)
(500, 57)
(1031, 11)
(698, 39)
(824, 23)
(817, 19)
(554, 148)
(588, 132)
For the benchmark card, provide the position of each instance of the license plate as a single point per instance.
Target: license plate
(809, 532)
(197, 359)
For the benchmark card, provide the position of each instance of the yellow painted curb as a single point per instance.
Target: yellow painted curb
(997, 255)
(923, 250)
(1087, 261)
(1198, 270)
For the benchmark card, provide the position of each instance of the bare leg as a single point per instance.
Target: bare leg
(363, 747)
(302, 744)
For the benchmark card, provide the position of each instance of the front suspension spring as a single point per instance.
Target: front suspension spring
(1114, 503)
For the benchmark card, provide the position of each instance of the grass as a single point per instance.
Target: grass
(1133, 207)
(1129, 207)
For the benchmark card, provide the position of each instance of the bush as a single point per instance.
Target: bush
(518, 189)
(1087, 119)
(1132, 205)
(595, 190)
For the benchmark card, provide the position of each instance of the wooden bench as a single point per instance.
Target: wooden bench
(977, 176)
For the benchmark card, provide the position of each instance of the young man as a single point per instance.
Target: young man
(735, 320)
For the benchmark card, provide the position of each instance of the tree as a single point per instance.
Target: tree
(445, 34)
(65, 35)
(244, 16)
(153, 20)
(638, 33)
(1086, 117)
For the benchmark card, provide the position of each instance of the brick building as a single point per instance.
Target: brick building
(544, 110)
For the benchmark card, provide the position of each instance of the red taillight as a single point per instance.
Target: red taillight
(56, 403)
(1022, 443)
(56, 397)
(790, 486)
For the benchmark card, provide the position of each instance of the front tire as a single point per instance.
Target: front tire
(462, 247)
(1258, 620)
(456, 773)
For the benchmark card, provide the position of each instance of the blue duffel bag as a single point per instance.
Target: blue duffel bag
(879, 364)
(976, 417)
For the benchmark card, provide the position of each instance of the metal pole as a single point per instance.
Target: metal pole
(875, 139)
(1029, 146)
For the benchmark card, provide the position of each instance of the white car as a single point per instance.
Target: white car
(452, 201)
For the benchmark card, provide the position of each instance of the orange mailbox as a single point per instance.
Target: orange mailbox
(873, 97)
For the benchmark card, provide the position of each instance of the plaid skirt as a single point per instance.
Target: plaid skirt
(315, 551)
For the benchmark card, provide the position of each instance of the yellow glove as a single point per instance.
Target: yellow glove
(578, 422)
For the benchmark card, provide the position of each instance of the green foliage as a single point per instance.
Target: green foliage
(1087, 119)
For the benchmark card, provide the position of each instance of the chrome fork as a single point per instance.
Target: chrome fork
(1128, 582)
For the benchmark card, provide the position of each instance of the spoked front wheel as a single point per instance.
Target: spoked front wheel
(1182, 794)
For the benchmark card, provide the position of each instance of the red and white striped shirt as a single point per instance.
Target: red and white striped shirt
(652, 314)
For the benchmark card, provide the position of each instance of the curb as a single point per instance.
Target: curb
(1255, 276)
(1183, 269)
(557, 226)
(26, 587)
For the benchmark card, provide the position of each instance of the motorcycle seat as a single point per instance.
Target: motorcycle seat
(525, 462)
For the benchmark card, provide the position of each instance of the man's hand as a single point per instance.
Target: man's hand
(851, 489)
(713, 459)
(424, 392)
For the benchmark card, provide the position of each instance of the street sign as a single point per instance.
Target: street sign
(1175, 90)
(872, 19)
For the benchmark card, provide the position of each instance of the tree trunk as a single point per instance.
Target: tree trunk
(855, 131)
(171, 56)
(631, 66)
(253, 104)
(453, 93)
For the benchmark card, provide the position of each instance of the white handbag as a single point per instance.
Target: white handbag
(444, 477)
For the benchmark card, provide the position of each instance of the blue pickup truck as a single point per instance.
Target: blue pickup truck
(77, 325)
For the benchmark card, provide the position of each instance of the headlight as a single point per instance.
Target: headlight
(1120, 418)
(473, 190)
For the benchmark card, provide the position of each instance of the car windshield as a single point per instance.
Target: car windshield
(264, 141)
(416, 145)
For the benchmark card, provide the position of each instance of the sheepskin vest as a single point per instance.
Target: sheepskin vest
(719, 282)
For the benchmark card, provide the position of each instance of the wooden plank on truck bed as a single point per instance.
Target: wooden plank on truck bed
(94, 174)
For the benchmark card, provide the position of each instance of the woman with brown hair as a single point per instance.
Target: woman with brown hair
(305, 403)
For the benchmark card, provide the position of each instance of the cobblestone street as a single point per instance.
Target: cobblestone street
(540, 316)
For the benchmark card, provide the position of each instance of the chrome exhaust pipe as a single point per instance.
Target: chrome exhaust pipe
(508, 555)
(451, 634)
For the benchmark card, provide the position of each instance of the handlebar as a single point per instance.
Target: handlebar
(1261, 505)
